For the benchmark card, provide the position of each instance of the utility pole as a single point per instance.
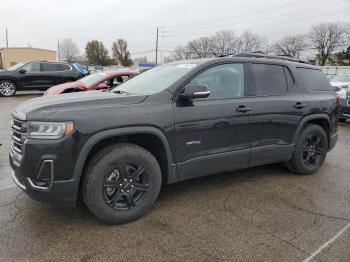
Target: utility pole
(157, 47)
(58, 50)
(7, 39)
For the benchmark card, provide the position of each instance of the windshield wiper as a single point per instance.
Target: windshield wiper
(121, 92)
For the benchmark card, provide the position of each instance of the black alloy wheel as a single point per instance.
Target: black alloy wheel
(121, 183)
(126, 187)
(313, 149)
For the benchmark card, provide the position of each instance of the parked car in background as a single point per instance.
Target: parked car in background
(341, 84)
(99, 80)
(342, 80)
(38, 75)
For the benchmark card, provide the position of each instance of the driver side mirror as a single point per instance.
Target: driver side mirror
(102, 86)
(192, 91)
(22, 71)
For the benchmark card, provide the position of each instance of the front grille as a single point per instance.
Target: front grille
(18, 136)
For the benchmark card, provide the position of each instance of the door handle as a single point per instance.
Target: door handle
(299, 105)
(242, 109)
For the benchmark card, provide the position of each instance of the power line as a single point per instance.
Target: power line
(280, 23)
(285, 15)
(242, 15)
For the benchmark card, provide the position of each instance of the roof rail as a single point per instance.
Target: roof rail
(281, 57)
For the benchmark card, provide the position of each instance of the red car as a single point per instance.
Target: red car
(96, 81)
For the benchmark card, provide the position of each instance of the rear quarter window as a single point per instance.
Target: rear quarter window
(314, 79)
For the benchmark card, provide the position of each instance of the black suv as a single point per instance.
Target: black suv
(177, 121)
(37, 75)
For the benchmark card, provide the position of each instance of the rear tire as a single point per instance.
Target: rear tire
(342, 120)
(121, 183)
(7, 88)
(310, 150)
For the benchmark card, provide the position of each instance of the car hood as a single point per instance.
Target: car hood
(36, 108)
(339, 84)
(59, 89)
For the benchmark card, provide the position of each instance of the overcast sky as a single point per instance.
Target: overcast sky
(42, 23)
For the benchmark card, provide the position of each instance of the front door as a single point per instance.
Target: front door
(214, 134)
(30, 75)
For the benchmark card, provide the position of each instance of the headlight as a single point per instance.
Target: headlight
(342, 93)
(49, 130)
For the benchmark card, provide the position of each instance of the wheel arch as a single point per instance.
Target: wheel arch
(322, 120)
(136, 135)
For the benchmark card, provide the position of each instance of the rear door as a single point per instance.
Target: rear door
(278, 108)
(51, 74)
(214, 134)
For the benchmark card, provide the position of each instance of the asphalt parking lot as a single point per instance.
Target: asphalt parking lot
(257, 214)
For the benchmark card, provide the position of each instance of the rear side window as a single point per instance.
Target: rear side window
(49, 67)
(269, 79)
(314, 79)
(63, 67)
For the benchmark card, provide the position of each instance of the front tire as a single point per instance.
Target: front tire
(121, 183)
(7, 88)
(310, 150)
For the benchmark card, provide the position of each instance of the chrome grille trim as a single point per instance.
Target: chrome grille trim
(18, 135)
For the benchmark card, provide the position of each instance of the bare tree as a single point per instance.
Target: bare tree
(202, 47)
(326, 38)
(290, 46)
(250, 42)
(225, 42)
(121, 53)
(69, 50)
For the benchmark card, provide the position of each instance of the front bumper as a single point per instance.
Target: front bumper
(61, 193)
(45, 171)
(345, 108)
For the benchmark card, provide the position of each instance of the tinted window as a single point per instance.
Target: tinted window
(49, 67)
(63, 67)
(223, 81)
(269, 79)
(32, 67)
(314, 79)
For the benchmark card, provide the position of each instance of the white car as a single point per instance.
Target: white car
(341, 80)
(341, 84)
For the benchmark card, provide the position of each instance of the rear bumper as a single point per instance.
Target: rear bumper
(333, 141)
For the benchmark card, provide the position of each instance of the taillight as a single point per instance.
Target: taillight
(337, 99)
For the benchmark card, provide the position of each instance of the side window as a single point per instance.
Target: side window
(269, 79)
(63, 67)
(223, 81)
(49, 67)
(314, 79)
(31, 67)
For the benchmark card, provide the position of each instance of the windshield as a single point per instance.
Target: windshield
(90, 79)
(15, 67)
(341, 78)
(156, 79)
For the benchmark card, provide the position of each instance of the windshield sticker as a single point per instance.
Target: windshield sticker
(186, 65)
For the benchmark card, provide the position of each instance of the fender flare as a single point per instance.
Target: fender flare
(12, 79)
(307, 119)
(93, 140)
